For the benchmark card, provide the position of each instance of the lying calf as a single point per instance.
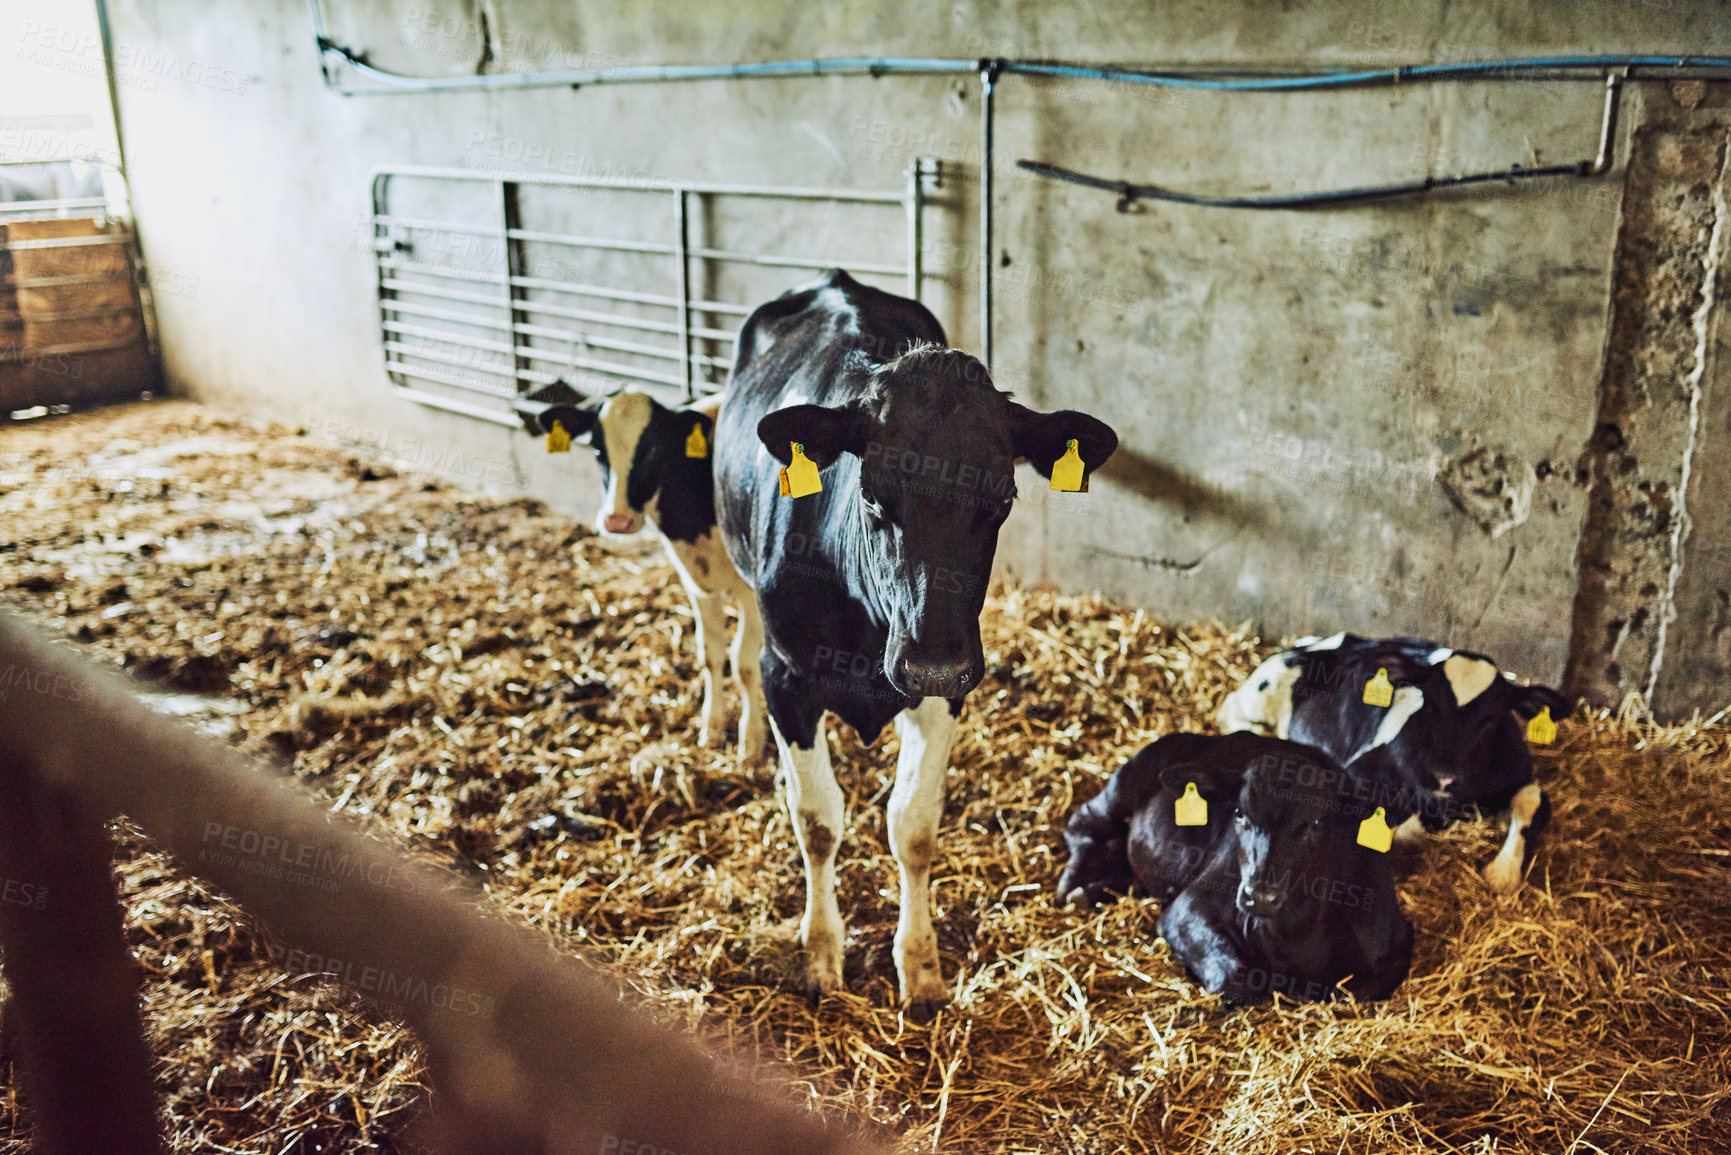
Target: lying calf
(1451, 741)
(1273, 892)
(657, 471)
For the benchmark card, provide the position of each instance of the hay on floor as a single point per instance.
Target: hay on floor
(491, 685)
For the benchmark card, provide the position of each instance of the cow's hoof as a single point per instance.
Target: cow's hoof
(819, 975)
(924, 1010)
(1503, 875)
(924, 993)
(755, 749)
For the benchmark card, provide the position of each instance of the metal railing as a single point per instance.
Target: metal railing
(495, 332)
(537, 1055)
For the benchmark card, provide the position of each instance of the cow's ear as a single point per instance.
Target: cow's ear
(1367, 785)
(823, 433)
(1043, 437)
(580, 421)
(1529, 700)
(1214, 782)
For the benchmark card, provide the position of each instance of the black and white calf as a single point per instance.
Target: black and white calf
(651, 481)
(1451, 744)
(871, 589)
(1273, 894)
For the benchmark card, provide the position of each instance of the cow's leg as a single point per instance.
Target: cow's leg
(1504, 871)
(709, 621)
(748, 672)
(814, 802)
(916, 805)
(711, 618)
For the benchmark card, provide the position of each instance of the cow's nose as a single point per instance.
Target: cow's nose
(934, 677)
(1260, 900)
(620, 523)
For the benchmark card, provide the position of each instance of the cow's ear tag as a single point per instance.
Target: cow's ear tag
(558, 441)
(1541, 730)
(696, 445)
(1374, 832)
(799, 477)
(1191, 809)
(1069, 475)
(1379, 691)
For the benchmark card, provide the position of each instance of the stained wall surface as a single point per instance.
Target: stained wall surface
(1487, 417)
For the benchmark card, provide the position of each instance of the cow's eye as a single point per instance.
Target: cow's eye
(1262, 687)
(874, 512)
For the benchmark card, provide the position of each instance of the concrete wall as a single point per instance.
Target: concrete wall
(1389, 418)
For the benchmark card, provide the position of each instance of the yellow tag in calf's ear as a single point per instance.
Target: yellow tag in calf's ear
(1374, 832)
(1069, 474)
(1191, 809)
(696, 445)
(1541, 730)
(799, 477)
(1379, 691)
(558, 441)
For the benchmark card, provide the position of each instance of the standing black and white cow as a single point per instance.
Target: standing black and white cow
(1272, 892)
(1452, 741)
(655, 477)
(871, 590)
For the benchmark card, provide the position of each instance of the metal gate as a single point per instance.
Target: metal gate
(491, 284)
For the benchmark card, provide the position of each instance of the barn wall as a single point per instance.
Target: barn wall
(1380, 418)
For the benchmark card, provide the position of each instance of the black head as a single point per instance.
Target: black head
(936, 446)
(1293, 809)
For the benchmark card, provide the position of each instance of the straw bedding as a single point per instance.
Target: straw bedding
(493, 686)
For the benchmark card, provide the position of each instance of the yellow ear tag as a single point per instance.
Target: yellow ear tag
(1379, 691)
(695, 445)
(1374, 832)
(1069, 475)
(799, 477)
(1191, 809)
(558, 441)
(1541, 730)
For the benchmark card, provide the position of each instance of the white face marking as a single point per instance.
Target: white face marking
(1436, 656)
(1332, 642)
(1407, 701)
(1263, 703)
(1468, 677)
(624, 417)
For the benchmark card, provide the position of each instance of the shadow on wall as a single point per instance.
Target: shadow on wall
(1159, 481)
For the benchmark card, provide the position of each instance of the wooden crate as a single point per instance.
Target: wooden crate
(89, 300)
